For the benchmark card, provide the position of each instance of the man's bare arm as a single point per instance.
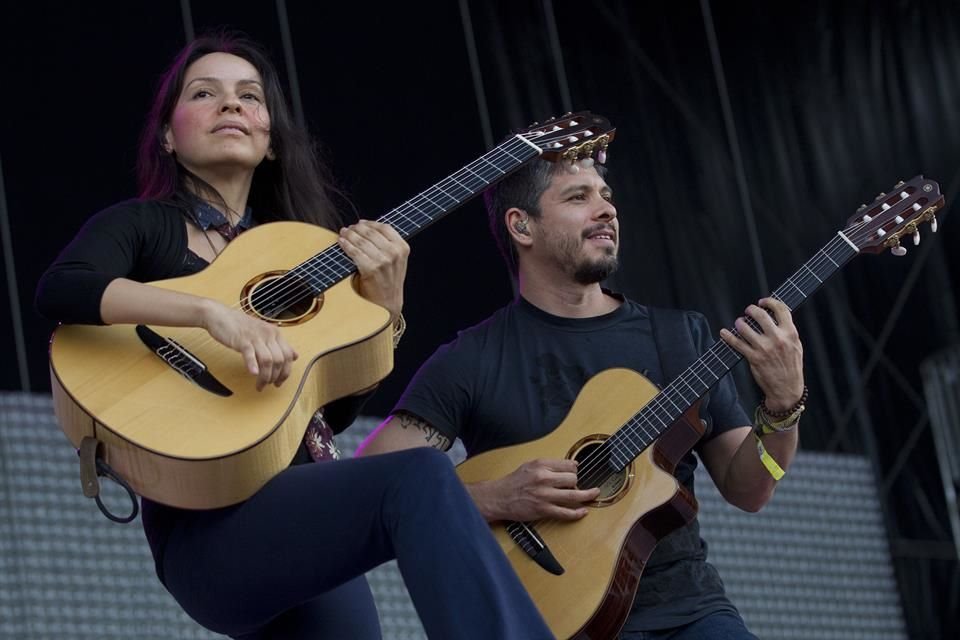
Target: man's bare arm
(402, 431)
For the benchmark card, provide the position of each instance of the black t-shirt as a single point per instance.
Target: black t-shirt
(513, 378)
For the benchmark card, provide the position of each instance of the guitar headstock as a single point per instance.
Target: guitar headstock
(895, 214)
(571, 137)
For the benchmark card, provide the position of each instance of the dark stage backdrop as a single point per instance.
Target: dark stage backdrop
(747, 134)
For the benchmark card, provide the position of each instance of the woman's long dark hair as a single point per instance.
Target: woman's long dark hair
(296, 185)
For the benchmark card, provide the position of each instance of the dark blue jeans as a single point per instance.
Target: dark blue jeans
(288, 562)
(722, 625)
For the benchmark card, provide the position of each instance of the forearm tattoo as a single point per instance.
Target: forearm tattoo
(432, 437)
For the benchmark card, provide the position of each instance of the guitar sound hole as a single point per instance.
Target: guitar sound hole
(594, 470)
(282, 298)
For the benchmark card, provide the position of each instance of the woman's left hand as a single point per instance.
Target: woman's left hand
(381, 258)
(775, 353)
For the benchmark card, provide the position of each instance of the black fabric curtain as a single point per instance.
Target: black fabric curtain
(748, 133)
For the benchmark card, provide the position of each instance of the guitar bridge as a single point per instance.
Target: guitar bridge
(527, 538)
(182, 361)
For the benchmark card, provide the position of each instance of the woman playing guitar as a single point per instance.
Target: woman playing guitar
(220, 154)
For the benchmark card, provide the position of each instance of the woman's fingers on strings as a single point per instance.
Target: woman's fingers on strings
(373, 244)
(250, 359)
(357, 249)
(277, 361)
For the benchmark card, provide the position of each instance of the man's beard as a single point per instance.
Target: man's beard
(585, 270)
(591, 272)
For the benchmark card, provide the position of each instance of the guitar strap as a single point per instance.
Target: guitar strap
(92, 466)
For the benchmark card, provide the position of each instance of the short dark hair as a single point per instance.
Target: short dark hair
(521, 189)
(296, 185)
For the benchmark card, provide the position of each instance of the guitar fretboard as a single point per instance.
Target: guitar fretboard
(675, 399)
(332, 265)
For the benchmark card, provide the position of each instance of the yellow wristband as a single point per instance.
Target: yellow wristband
(771, 465)
(765, 426)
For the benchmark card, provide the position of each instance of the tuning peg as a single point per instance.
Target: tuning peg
(933, 224)
(898, 250)
(572, 167)
(882, 195)
(587, 162)
(916, 238)
(602, 156)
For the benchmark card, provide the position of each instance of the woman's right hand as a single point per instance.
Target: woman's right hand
(265, 351)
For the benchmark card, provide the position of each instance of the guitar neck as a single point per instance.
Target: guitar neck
(332, 265)
(673, 401)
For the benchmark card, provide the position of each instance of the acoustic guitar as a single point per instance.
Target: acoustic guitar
(178, 414)
(628, 437)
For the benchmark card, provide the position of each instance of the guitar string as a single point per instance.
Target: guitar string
(659, 401)
(480, 168)
(315, 265)
(336, 258)
(802, 276)
(700, 369)
(813, 266)
(594, 466)
(523, 141)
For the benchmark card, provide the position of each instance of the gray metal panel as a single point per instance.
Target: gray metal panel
(813, 564)
(72, 573)
(941, 387)
(68, 572)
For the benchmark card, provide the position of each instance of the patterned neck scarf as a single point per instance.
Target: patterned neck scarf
(209, 217)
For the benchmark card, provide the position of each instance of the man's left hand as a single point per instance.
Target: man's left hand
(774, 352)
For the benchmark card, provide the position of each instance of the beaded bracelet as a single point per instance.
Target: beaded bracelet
(762, 426)
(786, 412)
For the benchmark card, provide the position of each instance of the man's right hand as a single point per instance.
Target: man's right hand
(542, 488)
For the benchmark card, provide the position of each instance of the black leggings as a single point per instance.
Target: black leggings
(288, 562)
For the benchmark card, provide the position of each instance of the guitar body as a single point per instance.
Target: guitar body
(603, 554)
(180, 444)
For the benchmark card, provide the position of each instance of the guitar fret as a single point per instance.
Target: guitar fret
(454, 200)
(465, 188)
(666, 394)
(791, 283)
(479, 176)
(493, 165)
(511, 155)
(331, 265)
(689, 386)
(813, 273)
(672, 402)
(722, 364)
